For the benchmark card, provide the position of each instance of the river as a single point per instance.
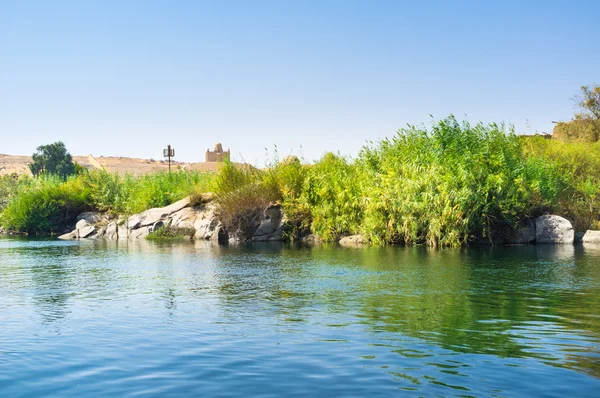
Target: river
(192, 319)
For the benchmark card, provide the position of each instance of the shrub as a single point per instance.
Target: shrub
(47, 207)
(172, 233)
(331, 193)
(243, 193)
(445, 186)
(577, 130)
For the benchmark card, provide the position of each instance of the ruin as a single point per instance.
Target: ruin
(218, 155)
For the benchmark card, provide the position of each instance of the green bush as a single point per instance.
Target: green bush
(243, 193)
(571, 172)
(48, 206)
(577, 130)
(332, 194)
(129, 194)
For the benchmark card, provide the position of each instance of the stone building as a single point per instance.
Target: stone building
(218, 155)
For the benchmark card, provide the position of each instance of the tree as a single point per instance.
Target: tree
(585, 126)
(52, 159)
(589, 102)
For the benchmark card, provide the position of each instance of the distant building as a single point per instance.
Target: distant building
(218, 155)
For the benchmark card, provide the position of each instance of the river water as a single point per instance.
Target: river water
(191, 319)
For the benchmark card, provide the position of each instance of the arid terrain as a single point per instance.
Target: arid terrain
(19, 165)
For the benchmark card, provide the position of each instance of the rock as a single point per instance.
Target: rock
(139, 233)
(152, 216)
(184, 218)
(272, 225)
(99, 234)
(352, 240)
(312, 239)
(122, 230)
(111, 231)
(591, 236)
(81, 224)
(554, 229)
(85, 232)
(69, 236)
(206, 224)
(91, 217)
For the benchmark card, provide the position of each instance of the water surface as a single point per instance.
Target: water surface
(150, 319)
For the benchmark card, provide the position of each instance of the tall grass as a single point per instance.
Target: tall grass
(573, 170)
(129, 194)
(48, 204)
(448, 185)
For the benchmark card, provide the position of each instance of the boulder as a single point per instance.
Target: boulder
(184, 218)
(69, 236)
(91, 217)
(81, 224)
(139, 233)
(206, 224)
(591, 236)
(272, 225)
(554, 229)
(111, 231)
(312, 239)
(152, 216)
(122, 230)
(352, 240)
(85, 232)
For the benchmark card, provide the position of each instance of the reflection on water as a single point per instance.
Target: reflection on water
(127, 318)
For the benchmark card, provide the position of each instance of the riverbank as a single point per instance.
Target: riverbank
(453, 184)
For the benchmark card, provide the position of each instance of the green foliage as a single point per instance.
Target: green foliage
(571, 172)
(129, 194)
(53, 159)
(589, 102)
(49, 205)
(446, 186)
(577, 130)
(10, 186)
(172, 233)
(243, 193)
(332, 194)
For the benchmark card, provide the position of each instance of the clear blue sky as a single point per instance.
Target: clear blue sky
(125, 78)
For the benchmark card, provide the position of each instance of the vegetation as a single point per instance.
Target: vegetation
(172, 233)
(448, 185)
(53, 159)
(45, 205)
(48, 204)
(585, 126)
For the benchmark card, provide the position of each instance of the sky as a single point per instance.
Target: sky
(127, 77)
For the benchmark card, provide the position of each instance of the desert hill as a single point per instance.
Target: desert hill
(18, 165)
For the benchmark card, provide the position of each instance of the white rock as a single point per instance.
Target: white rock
(591, 236)
(554, 229)
(352, 240)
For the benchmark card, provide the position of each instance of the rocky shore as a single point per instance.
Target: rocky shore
(201, 216)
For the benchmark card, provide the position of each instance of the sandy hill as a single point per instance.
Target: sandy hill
(19, 165)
